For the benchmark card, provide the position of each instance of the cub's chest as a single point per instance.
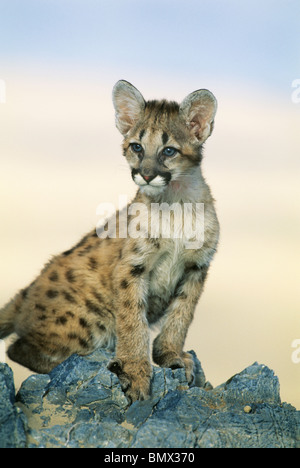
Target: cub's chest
(167, 269)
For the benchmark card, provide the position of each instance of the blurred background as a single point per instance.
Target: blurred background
(60, 152)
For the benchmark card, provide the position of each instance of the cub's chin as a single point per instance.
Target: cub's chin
(152, 189)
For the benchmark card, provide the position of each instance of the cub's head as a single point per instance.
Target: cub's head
(162, 140)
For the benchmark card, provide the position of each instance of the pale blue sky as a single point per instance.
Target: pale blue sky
(257, 41)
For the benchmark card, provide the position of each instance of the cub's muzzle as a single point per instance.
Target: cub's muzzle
(157, 179)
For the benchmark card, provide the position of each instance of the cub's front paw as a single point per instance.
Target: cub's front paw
(138, 390)
(134, 378)
(189, 367)
(174, 361)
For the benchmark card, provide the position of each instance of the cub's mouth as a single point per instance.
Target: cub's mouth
(158, 179)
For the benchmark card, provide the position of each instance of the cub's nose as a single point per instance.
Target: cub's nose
(148, 178)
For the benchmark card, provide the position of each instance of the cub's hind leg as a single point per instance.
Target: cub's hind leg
(28, 355)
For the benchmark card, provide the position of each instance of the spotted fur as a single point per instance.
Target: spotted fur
(108, 291)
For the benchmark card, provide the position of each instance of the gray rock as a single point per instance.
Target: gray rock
(12, 419)
(81, 404)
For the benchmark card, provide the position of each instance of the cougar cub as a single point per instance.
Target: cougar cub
(108, 289)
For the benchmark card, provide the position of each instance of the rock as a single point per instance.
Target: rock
(12, 420)
(81, 404)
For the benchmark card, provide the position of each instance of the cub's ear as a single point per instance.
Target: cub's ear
(198, 110)
(128, 103)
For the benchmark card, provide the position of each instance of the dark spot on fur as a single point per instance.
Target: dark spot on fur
(83, 343)
(200, 269)
(98, 296)
(70, 276)
(70, 314)
(93, 307)
(101, 327)
(24, 293)
(107, 311)
(69, 297)
(137, 270)
(42, 317)
(40, 307)
(68, 252)
(142, 133)
(61, 320)
(124, 284)
(72, 336)
(53, 335)
(127, 304)
(52, 293)
(93, 264)
(85, 251)
(53, 276)
(83, 323)
(79, 244)
(154, 241)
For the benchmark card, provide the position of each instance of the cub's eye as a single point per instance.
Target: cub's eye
(136, 147)
(169, 151)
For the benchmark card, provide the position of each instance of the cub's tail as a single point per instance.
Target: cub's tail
(8, 314)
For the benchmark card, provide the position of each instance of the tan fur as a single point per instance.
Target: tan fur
(108, 291)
